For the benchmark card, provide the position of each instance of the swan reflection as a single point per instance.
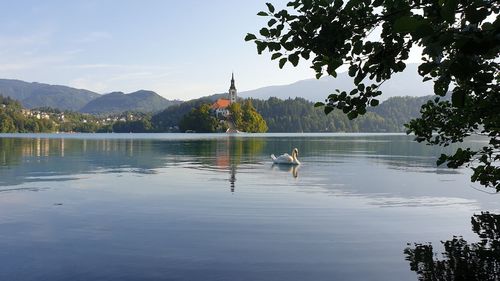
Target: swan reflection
(293, 169)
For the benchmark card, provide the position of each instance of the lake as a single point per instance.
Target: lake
(213, 207)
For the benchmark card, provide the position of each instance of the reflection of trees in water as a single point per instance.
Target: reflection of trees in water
(233, 152)
(461, 260)
(227, 153)
(59, 157)
(62, 156)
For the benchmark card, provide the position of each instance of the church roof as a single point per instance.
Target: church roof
(221, 103)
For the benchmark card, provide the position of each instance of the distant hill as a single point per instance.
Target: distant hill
(143, 101)
(407, 83)
(32, 95)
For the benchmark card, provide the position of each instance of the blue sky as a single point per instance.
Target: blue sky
(180, 49)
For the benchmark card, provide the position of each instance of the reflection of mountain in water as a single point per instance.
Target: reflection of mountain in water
(461, 260)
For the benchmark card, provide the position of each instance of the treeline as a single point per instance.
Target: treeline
(290, 115)
(15, 119)
(12, 119)
(300, 115)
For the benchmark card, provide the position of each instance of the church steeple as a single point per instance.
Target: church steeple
(232, 90)
(232, 82)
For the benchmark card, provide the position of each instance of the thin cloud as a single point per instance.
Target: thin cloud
(94, 37)
(26, 40)
(33, 62)
(95, 65)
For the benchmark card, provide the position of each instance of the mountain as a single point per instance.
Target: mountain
(32, 95)
(407, 83)
(144, 101)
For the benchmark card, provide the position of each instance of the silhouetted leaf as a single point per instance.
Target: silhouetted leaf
(250, 37)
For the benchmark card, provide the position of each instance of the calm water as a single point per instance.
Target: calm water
(213, 207)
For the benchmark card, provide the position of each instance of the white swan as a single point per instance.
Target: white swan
(287, 159)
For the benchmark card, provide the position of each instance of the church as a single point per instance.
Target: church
(220, 107)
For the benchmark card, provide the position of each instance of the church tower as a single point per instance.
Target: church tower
(232, 90)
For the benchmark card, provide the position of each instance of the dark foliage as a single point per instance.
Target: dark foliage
(460, 40)
(461, 261)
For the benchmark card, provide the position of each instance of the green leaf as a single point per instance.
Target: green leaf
(352, 70)
(357, 47)
(458, 98)
(374, 102)
(443, 158)
(305, 54)
(270, 7)
(271, 22)
(448, 10)
(261, 46)
(264, 32)
(328, 109)
(351, 3)
(422, 31)
(250, 37)
(282, 62)
(288, 46)
(294, 59)
(319, 104)
(407, 24)
(476, 16)
(276, 55)
(361, 75)
(352, 115)
(262, 14)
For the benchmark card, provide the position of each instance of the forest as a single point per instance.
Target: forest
(290, 115)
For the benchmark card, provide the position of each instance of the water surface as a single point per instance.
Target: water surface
(213, 207)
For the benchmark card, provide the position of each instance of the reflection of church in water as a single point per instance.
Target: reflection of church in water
(225, 160)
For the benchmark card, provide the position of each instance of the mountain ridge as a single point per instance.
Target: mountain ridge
(115, 102)
(406, 83)
(35, 94)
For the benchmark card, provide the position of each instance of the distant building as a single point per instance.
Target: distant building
(26, 112)
(221, 106)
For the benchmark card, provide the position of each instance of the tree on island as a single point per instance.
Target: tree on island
(460, 43)
(246, 118)
(200, 120)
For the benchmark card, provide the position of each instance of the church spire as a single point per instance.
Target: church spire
(232, 90)
(232, 82)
